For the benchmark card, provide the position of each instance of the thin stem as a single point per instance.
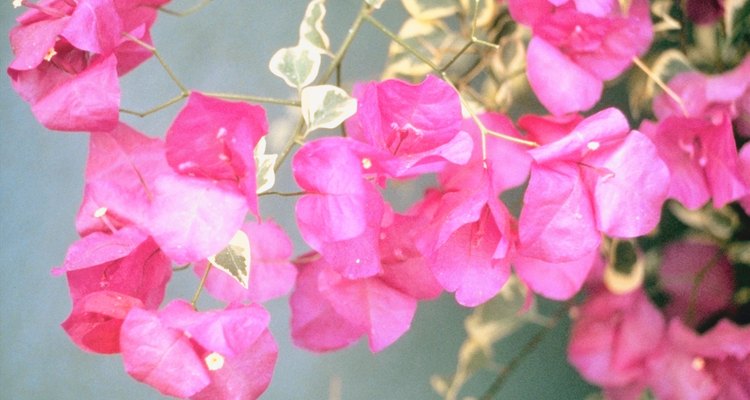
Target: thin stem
(282, 194)
(184, 13)
(527, 349)
(457, 56)
(512, 139)
(254, 99)
(152, 49)
(691, 311)
(379, 26)
(160, 107)
(200, 285)
(299, 134)
(637, 61)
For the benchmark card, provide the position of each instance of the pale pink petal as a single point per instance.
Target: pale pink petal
(192, 218)
(557, 221)
(555, 89)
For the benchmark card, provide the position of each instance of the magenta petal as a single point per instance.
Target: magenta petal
(554, 88)
(161, 356)
(557, 220)
(193, 218)
(722, 169)
(94, 26)
(630, 195)
(245, 376)
(554, 280)
(88, 101)
(30, 43)
(95, 321)
(99, 247)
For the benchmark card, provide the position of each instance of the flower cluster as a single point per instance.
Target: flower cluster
(592, 185)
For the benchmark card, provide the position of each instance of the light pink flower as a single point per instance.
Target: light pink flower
(223, 354)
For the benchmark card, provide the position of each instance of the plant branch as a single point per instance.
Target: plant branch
(637, 61)
(152, 49)
(184, 13)
(382, 28)
(527, 349)
(254, 99)
(160, 107)
(200, 285)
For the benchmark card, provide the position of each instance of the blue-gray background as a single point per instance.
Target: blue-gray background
(225, 47)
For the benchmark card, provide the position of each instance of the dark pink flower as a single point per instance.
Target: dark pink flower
(330, 311)
(214, 139)
(67, 60)
(613, 337)
(224, 354)
(744, 162)
(698, 279)
(418, 126)
(576, 46)
(714, 365)
(702, 159)
(271, 272)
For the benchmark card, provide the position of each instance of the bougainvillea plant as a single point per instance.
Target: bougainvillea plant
(622, 126)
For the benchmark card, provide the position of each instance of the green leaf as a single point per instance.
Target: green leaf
(326, 106)
(431, 9)
(235, 258)
(311, 31)
(297, 66)
(734, 15)
(265, 176)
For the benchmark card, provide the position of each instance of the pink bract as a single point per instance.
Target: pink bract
(584, 43)
(331, 312)
(224, 354)
(418, 125)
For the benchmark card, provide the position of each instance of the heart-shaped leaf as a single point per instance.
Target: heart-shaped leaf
(235, 258)
(326, 106)
(311, 31)
(297, 66)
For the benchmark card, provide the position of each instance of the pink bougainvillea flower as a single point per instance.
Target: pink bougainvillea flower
(600, 178)
(715, 365)
(330, 312)
(224, 354)
(576, 46)
(744, 162)
(120, 173)
(682, 264)
(548, 128)
(271, 273)
(613, 337)
(107, 275)
(467, 239)
(555, 280)
(702, 159)
(419, 126)
(710, 97)
(214, 139)
(66, 59)
(95, 321)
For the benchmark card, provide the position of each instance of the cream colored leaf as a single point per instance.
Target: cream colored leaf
(234, 260)
(265, 177)
(431, 39)
(430, 9)
(326, 106)
(486, 11)
(297, 66)
(311, 31)
(625, 268)
(376, 4)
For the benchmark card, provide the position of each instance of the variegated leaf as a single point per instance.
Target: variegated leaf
(235, 258)
(297, 66)
(311, 31)
(326, 106)
(265, 177)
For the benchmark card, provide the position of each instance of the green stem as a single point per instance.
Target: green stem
(160, 107)
(152, 49)
(254, 99)
(200, 285)
(186, 12)
(299, 133)
(282, 194)
(527, 349)
(382, 28)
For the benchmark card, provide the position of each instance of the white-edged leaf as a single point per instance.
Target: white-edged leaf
(376, 4)
(431, 9)
(486, 12)
(625, 270)
(731, 10)
(235, 258)
(311, 31)
(297, 66)
(326, 106)
(265, 177)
